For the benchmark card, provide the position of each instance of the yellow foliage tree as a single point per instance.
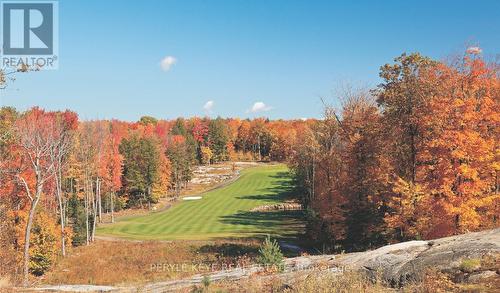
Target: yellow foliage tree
(206, 155)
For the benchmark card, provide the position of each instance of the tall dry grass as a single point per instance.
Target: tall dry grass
(307, 282)
(125, 262)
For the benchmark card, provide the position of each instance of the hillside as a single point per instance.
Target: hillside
(402, 264)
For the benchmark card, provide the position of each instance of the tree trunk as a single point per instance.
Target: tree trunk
(313, 173)
(27, 233)
(86, 201)
(94, 208)
(58, 178)
(99, 202)
(62, 218)
(112, 207)
(258, 143)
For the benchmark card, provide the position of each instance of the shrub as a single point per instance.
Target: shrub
(470, 264)
(270, 254)
(8, 253)
(44, 243)
(206, 282)
(433, 281)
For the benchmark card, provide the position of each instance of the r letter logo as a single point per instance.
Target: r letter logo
(29, 34)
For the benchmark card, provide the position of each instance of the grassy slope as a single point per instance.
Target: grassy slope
(222, 213)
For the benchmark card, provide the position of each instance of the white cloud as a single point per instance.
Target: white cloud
(259, 107)
(474, 50)
(208, 106)
(167, 62)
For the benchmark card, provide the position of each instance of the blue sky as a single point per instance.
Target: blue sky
(284, 54)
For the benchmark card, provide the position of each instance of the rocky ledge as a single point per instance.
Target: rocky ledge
(396, 264)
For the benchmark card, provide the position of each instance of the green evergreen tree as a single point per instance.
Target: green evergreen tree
(140, 168)
(76, 215)
(181, 156)
(179, 127)
(270, 254)
(218, 139)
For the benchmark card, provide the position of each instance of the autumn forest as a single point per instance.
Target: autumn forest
(416, 157)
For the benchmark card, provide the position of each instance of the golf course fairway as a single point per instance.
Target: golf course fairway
(221, 213)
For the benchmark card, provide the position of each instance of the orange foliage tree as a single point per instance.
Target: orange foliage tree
(422, 163)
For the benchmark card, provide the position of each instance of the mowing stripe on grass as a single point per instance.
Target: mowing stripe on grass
(221, 213)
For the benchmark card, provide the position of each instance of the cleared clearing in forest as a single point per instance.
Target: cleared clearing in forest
(221, 213)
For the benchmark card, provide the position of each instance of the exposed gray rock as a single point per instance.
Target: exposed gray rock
(407, 261)
(285, 206)
(396, 264)
(478, 276)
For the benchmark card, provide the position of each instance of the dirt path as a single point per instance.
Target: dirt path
(290, 247)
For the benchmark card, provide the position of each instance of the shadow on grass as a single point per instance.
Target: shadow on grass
(286, 226)
(278, 224)
(283, 189)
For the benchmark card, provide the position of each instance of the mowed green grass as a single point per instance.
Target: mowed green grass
(221, 213)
